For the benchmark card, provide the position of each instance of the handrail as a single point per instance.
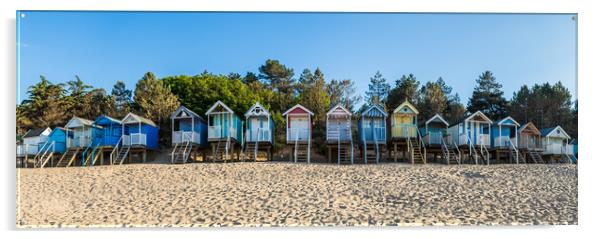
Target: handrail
(471, 148)
(421, 143)
(486, 152)
(376, 146)
(40, 150)
(339, 147)
(49, 156)
(514, 150)
(410, 148)
(296, 144)
(445, 150)
(115, 150)
(84, 154)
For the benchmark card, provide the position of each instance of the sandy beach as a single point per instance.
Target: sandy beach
(285, 194)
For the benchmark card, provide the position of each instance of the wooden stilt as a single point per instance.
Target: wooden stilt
(395, 152)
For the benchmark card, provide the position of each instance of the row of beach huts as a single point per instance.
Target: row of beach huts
(222, 136)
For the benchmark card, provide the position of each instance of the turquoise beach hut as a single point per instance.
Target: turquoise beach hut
(504, 141)
(259, 132)
(225, 131)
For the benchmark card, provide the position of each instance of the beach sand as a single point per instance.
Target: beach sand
(285, 194)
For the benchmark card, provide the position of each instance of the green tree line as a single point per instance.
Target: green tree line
(276, 87)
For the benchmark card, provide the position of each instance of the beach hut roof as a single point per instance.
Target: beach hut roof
(297, 106)
(407, 104)
(435, 118)
(373, 111)
(337, 109)
(56, 129)
(257, 110)
(530, 126)
(506, 121)
(132, 118)
(77, 122)
(558, 130)
(473, 115)
(183, 112)
(35, 132)
(111, 119)
(219, 103)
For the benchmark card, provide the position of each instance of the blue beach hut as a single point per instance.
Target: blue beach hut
(188, 134)
(107, 131)
(373, 133)
(138, 136)
(56, 146)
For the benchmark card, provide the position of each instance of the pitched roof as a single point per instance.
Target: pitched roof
(35, 132)
(504, 119)
(181, 109)
(529, 124)
(409, 105)
(219, 103)
(547, 131)
(435, 117)
(257, 105)
(338, 106)
(82, 121)
(136, 118)
(369, 111)
(300, 107)
(107, 117)
(478, 113)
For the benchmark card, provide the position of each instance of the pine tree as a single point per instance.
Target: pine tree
(343, 92)
(122, 99)
(378, 89)
(154, 99)
(432, 100)
(406, 88)
(488, 97)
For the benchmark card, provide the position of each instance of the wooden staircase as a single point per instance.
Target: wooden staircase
(535, 156)
(450, 156)
(181, 152)
(568, 158)
(515, 154)
(122, 154)
(345, 153)
(371, 153)
(37, 161)
(251, 149)
(68, 158)
(415, 150)
(48, 154)
(301, 152)
(221, 153)
(92, 156)
(345, 148)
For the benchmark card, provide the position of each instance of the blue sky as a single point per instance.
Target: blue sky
(104, 47)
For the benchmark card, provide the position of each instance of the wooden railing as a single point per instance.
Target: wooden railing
(260, 135)
(178, 137)
(403, 131)
(294, 134)
(134, 139)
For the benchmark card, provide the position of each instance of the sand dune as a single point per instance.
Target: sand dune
(283, 194)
